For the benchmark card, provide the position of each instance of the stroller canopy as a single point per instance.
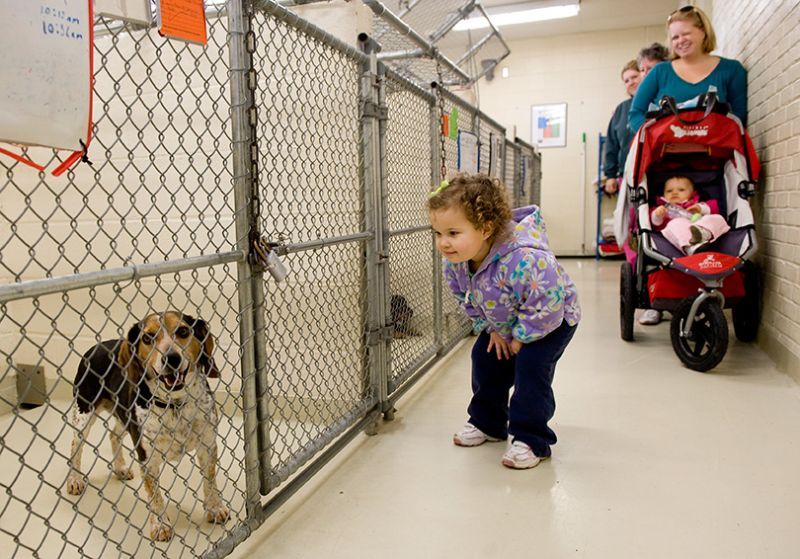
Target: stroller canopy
(717, 135)
(707, 131)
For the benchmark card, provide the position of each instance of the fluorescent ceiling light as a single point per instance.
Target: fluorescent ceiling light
(520, 16)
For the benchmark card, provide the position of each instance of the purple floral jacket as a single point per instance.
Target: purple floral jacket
(520, 291)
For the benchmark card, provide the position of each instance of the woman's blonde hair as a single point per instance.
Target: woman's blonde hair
(631, 65)
(699, 19)
(482, 198)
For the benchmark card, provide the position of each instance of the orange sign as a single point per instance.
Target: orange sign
(183, 19)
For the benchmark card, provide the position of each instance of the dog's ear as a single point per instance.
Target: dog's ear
(200, 329)
(127, 358)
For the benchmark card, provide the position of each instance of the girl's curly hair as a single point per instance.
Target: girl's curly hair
(482, 198)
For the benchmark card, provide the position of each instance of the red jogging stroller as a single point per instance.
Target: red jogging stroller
(704, 141)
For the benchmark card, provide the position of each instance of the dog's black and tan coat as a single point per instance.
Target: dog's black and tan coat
(154, 383)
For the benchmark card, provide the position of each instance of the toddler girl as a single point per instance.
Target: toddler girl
(523, 306)
(684, 221)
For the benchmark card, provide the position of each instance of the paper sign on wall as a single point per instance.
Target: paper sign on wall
(183, 19)
(467, 152)
(454, 123)
(46, 82)
(496, 154)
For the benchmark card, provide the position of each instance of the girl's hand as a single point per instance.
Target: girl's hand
(660, 212)
(696, 209)
(516, 345)
(501, 346)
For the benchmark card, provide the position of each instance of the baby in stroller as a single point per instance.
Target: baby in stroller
(683, 219)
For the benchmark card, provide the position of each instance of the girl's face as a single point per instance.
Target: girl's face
(678, 190)
(631, 80)
(458, 239)
(686, 39)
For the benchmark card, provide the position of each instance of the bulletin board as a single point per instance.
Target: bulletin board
(46, 83)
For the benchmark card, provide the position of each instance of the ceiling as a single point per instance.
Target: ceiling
(595, 15)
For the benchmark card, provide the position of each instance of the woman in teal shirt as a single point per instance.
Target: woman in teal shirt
(691, 69)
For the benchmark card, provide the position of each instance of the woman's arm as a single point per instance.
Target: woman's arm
(737, 91)
(611, 164)
(645, 94)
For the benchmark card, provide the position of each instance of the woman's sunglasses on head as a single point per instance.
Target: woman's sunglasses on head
(684, 10)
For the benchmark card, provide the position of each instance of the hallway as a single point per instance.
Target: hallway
(653, 461)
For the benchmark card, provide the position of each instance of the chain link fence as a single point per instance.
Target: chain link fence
(420, 40)
(274, 139)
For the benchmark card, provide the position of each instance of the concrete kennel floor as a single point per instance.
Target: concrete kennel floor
(653, 461)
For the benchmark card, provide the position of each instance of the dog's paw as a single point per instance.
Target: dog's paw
(76, 484)
(160, 531)
(124, 474)
(218, 514)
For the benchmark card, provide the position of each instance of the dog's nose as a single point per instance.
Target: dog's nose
(172, 361)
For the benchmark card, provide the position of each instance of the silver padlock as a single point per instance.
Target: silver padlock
(275, 266)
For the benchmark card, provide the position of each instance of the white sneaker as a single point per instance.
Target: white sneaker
(472, 436)
(699, 235)
(650, 317)
(519, 456)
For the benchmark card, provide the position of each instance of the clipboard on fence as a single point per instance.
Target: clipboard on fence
(46, 85)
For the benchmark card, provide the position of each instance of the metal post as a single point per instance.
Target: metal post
(243, 139)
(436, 165)
(384, 274)
(375, 253)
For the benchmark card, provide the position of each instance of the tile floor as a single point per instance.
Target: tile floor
(653, 461)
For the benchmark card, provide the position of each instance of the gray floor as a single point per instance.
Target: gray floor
(653, 461)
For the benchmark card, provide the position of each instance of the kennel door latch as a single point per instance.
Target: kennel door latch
(379, 335)
(266, 257)
(370, 109)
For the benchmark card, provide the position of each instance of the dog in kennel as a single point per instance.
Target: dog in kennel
(154, 382)
(401, 315)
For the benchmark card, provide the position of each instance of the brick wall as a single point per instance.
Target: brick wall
(765, 36)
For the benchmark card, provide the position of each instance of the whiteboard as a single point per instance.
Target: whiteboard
(45, 84)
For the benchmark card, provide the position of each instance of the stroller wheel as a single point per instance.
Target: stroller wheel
(747, 312)
(707, 342)
(627, 301)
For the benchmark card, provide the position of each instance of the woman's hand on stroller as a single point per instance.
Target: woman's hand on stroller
(611, 185)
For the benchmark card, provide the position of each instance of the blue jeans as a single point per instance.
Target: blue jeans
(530, 373)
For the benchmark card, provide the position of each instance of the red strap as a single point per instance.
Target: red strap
(67, 163)
(22, 159)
